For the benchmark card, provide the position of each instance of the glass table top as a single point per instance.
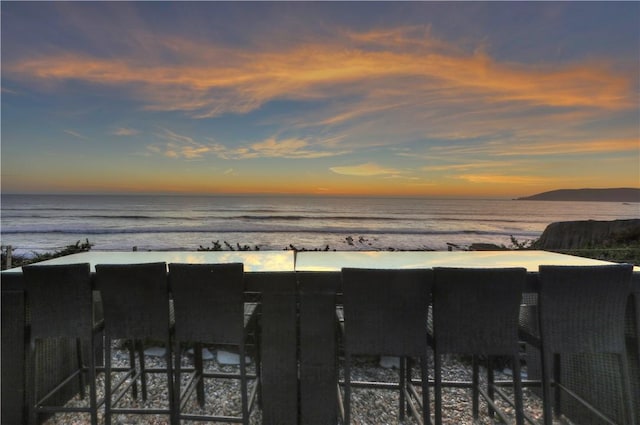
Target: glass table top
(531, 260)
(254, 261)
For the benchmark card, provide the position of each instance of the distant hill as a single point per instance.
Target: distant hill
(598, 195)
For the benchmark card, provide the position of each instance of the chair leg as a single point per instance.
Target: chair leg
(438, 387)
(403, 386)
(258, 364)
(143, 370)
(426, 408)
(546, 360)
(199, 371)
(32, 389)
(490, 386)
(91, 372)
(80, 363)
(408, 376)
(243, 385)
(177, 381)
(132, 365)
(170, 383)
(475, 382)
(107, 380)
(347, 388)
(517, 389)
(626, 389)
(557, 406)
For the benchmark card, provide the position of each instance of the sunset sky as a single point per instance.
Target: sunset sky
(462, 99)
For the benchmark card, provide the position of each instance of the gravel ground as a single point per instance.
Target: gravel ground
(369, 406)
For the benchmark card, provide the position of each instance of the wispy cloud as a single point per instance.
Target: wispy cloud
(178, 146)
(575, 147)
(530, 148)
(7, 90)
(463, 166)
(122, 131)
(288, 148)
(208, 80)
(366, 170)
(76, 134)
(493, 179)
(185, 147)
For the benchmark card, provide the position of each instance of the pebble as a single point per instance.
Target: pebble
(369, 406)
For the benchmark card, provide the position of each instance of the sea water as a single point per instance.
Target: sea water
(43, 223)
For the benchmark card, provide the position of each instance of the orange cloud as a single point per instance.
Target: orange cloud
(574, 147)
(501, 179)
(208, 80)
(368, 169)
(468, 166)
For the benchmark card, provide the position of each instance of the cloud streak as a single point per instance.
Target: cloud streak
(184, 147)
(76, 134)
(503, 179)
(365, 170)
(208, 80)
(125, 132)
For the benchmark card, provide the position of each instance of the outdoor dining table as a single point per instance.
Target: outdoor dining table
(317, 367)
(299, 367)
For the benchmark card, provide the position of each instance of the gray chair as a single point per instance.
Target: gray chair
(209, 306)
(636, 336)
(385, 313)
(279, 371)
(135, 300)
(60, 301)
(318, 347)
(475, 312)
(581, 309)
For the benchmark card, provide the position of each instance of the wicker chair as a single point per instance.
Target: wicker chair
(636, 337)
(318, 347)
(475, 312)
(385, 313)
(581, 309)
(209, 307)
(61, 306)
(279, 371)
(135, 300)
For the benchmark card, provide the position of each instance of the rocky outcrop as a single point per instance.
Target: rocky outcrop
(587, 234)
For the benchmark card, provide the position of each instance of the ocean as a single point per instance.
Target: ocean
(45, 223)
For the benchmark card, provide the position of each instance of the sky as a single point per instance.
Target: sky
(441, 99)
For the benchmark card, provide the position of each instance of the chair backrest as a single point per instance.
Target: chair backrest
(208, 302)
(475, 310)
(135, 299)
(60, 300)
(582, 308)
(385, 311)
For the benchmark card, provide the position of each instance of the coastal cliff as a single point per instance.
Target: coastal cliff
(588, 234)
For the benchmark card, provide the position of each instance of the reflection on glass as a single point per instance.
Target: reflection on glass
(531, 260)
(253, 261)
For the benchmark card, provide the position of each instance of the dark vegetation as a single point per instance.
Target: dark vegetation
(217, 246)
(23, 260)
(619, 248)
(616, 240)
